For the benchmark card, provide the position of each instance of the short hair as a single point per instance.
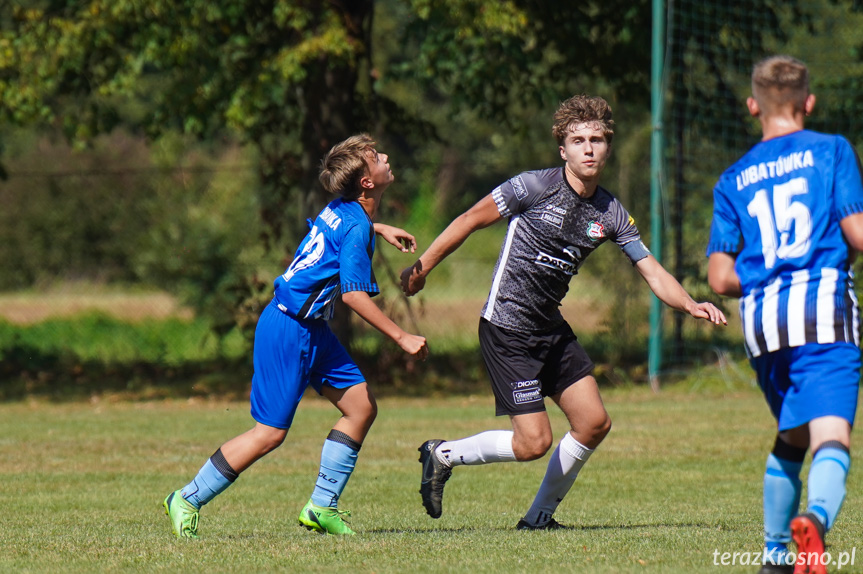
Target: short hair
(582, 109)
(778, 81)
(344, 166)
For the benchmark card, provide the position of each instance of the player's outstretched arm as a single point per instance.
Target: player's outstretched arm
(481, 215)
(363, 306)
(721, 275)
(397, 237)
(672, 293)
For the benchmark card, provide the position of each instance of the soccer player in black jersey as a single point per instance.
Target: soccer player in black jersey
(556, 218)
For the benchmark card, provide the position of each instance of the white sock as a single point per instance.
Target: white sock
(482, 448)
(568, 458)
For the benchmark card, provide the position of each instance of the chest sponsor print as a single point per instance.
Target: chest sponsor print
(553, 215)
(546, 260)
(552, 219)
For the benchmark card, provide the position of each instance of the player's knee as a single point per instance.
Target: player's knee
(603, 428)
(531, 448)
(272, 439)
(369, 412)
(361, 412)
(592, 434)
(529, 453)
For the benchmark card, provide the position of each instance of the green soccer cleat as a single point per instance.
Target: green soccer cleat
(326, 520)
(184, 516)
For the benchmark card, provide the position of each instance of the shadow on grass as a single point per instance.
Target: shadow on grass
(566, 528)
(29, 371)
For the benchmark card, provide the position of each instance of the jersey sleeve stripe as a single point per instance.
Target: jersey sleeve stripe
(497, 195)
(367, 287)
(850, 209)
(722, 247)
(855, 317)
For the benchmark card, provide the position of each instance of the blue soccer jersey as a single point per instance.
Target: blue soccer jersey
(335, 257)
(778, 209)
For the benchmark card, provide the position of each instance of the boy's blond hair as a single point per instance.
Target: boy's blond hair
(778, 81)
(582, 109)
(344, 166)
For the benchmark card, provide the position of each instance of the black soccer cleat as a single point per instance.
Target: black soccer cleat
(550, 525)
(435, 474)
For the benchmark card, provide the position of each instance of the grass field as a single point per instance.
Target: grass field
(677, 479)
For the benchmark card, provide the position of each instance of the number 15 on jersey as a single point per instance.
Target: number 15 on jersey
(784, 219)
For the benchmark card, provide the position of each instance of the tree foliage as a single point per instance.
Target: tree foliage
(292, 77)
(494, 56)
(281, 75)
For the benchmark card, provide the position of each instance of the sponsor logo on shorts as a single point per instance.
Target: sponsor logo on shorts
(518, 187)
(521, 385)
(521, 397)
(525, 391)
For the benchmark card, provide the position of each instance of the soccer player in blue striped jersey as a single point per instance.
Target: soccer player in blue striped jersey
(295, 348)
(787, 222)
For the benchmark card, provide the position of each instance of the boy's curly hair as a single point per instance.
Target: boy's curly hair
(582, 109)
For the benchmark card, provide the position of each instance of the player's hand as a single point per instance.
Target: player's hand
(708, 311)
(412, 279)
(404, 241)
(415, 345)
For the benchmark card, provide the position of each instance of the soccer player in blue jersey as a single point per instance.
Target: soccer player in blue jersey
(556, 218)
(295, 348)
(787, 222)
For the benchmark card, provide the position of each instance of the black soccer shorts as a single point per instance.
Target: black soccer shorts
(525, 367)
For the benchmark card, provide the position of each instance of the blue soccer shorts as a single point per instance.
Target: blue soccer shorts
(289, 356)
(811, 381)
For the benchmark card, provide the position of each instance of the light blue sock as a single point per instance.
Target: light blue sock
(781, 503)
(827, 481)
(338, 458)
(214, 477)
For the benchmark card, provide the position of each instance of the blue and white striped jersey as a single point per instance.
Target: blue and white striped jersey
(335, 257)
(778, 209)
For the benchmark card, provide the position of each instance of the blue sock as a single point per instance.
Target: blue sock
(781, 503)
(827, 481)
(338, 458)
(214, 477)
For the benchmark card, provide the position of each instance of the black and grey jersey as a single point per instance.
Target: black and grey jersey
(550, 233)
